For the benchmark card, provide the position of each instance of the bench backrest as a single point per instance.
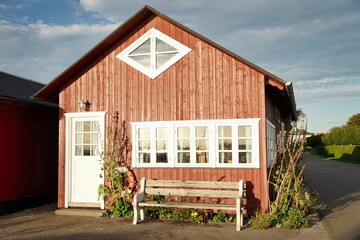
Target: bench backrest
(194, 188)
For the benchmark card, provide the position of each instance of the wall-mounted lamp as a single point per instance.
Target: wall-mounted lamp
(84, 105)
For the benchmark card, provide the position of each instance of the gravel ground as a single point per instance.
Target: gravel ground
(42, 223)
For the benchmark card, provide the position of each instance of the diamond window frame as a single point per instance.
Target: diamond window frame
(153, 71)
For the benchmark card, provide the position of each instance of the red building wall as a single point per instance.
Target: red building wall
(207, 83)
(28, 150)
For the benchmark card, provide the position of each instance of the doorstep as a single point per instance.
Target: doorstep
(84, 212)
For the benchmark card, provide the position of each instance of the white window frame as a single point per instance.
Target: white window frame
(235, 146)
(193, 125)
(152, 34)
(152, 126)
(213, 143)
(270, 142)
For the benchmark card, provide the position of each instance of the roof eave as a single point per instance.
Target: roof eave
(291, 96)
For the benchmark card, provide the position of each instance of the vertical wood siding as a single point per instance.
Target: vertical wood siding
(205, 84)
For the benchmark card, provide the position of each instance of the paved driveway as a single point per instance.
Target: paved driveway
(339, 187)
(42, 223)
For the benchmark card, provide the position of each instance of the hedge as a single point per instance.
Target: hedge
(348, 152)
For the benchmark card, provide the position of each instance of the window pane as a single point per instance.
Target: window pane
(144, 133)
(202, 157)
(244, 131)
(162, 46)
(161, 157)
(245, 157)
(86, 138)
(162, 58)
(162, 133)
(78, 127)
(184, 157)
(202, 144)
(144, 145)
(225, 144)
(161, 145)
(225, 131)
(183, 145)
(94, 138)
(95, 126)
(78, 150)
(183, 132)
(201, 132)
(78, 138)
(245, 144)
(143, 60)
(86, 150)
(144, 157)
(94, 150)
(225, 157)
(87, 125)
(143, 48)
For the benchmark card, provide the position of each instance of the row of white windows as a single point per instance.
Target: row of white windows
(203, 143)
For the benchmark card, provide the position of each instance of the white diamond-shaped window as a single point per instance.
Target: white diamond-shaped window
(153, 53)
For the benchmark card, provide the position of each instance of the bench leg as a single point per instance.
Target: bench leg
(136, 214)
(142, 214)
(239, 216)
(238, 223)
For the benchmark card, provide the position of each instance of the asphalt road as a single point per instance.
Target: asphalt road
(338, 185)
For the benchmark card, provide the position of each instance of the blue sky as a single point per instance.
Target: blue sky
(314, 44)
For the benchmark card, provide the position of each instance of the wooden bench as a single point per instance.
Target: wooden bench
(231, 190)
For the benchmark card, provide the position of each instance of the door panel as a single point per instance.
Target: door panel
(85, 161)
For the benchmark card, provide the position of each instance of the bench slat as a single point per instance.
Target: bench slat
(188, 205)
(192, 184)
(192, 192)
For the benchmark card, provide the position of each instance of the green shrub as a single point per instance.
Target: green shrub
(294, 219)
(314, 141)
(344, 135)
(346, 152)
(222, 217)
(122, 209)
(262, 220)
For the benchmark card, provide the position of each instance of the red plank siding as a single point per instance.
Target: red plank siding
(206, 84)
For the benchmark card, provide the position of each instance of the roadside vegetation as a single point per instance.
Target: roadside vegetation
(340, 143)
(291, 201)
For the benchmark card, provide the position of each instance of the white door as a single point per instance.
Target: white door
(84, 165)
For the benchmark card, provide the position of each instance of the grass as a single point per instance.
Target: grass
(331, 158)
(343, 160)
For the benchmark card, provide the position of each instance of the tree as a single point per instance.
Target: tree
(354, 120)
(348, 134)
(314, 141)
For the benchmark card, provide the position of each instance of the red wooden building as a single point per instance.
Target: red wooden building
(28, 141)
(195, 111)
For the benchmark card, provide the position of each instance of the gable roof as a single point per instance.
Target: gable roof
(52, 90)
(19, 89)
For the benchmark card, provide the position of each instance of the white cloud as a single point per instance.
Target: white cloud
(321, 90)
(41, 51)
(8, 6)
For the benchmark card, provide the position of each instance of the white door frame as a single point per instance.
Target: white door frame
(68, 147)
